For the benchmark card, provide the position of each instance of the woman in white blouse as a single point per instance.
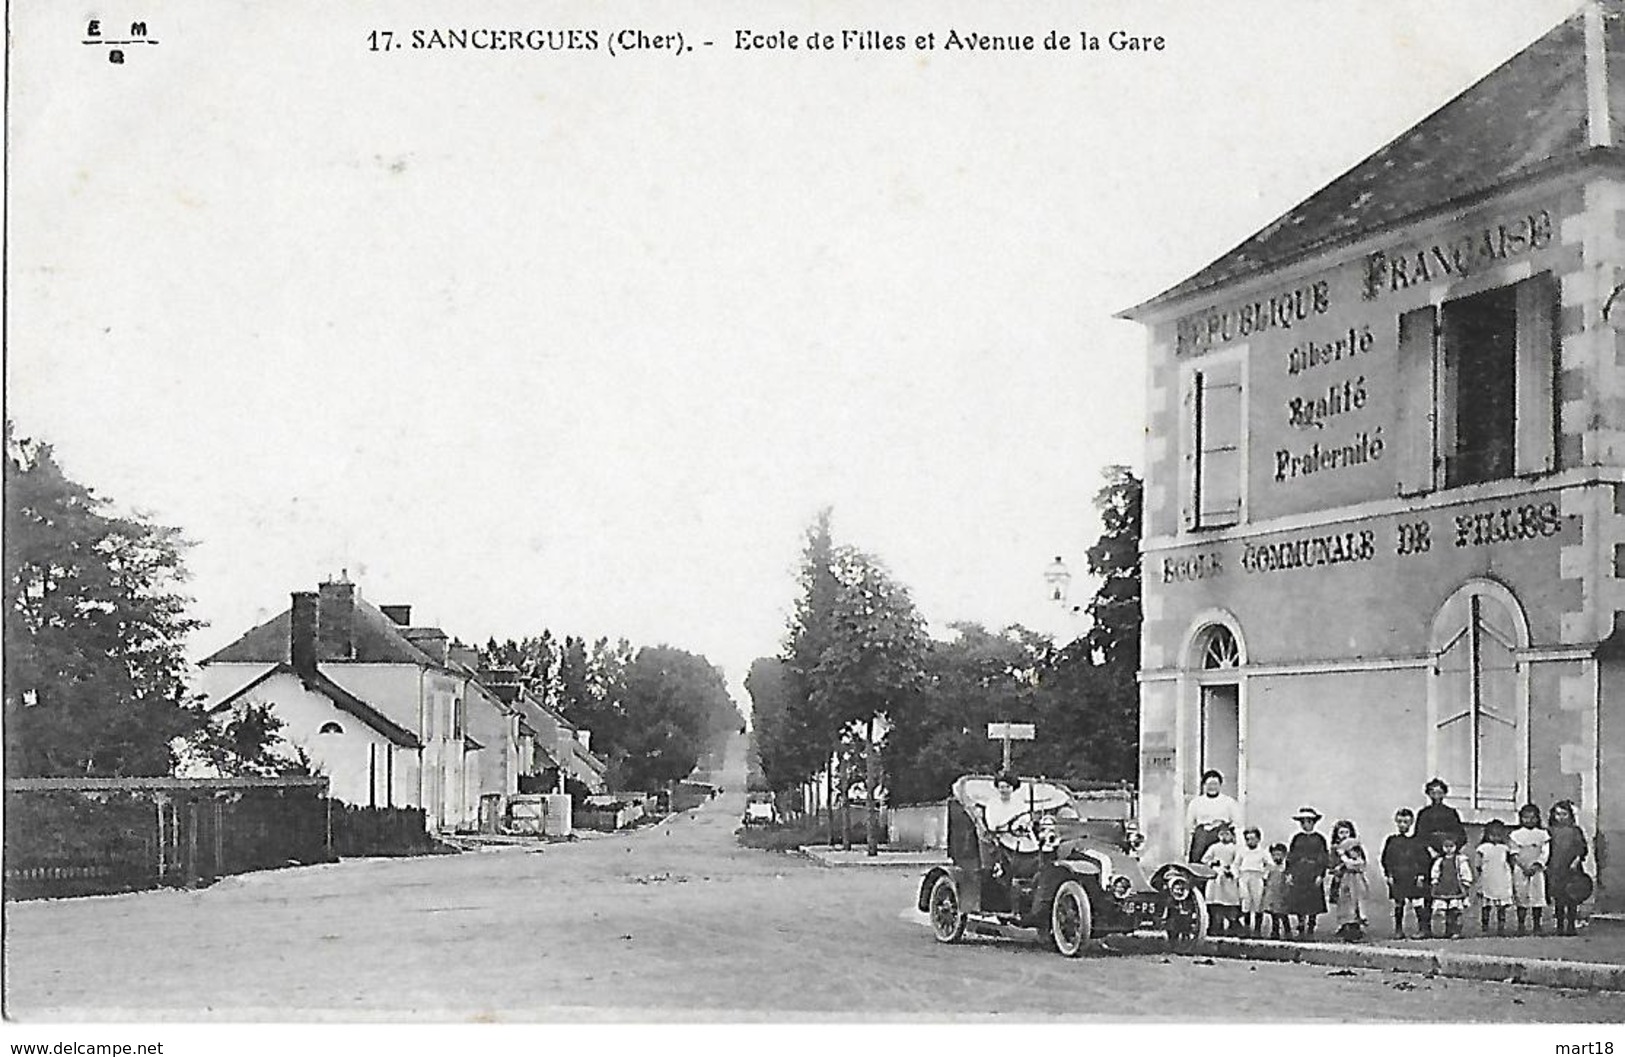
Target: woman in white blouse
(1207, 812)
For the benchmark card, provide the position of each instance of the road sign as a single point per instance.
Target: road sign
(1011, 731)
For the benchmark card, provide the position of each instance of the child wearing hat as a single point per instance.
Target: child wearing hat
(1307, 858)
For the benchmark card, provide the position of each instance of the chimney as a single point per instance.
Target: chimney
(335, 636)
(401, 615)
(302, 634)
(432, 641)
(503, 682)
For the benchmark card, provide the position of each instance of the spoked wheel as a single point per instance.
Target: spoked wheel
(947, 921)
(1070, 919)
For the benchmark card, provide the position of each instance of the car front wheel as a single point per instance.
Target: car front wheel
(947, 921)
(1070, 919)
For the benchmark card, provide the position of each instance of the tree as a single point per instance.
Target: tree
(774, 765)
(872, 663)
(247, 742)
(677, 707)
(1088, 693)
(974, 679)
(809, 738)
(535, 657)
(94, 631)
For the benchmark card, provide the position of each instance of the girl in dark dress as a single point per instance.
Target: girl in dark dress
(1307, 858)
(1568, 850)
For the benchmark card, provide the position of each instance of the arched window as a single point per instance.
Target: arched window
(1220, 649)
(331, 728)
(1477, 702)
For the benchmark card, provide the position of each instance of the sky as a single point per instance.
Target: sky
(583, 341)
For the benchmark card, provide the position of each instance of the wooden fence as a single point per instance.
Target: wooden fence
(79, 836)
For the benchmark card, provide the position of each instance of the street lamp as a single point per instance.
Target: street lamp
(1057, 579)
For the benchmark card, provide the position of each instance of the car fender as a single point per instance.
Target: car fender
(968, 900)
(1197, 873)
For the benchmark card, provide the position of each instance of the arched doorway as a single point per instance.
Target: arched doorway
(1220, 705)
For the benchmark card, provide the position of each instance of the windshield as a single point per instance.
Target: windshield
(978, 795)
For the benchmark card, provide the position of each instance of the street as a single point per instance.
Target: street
(674, 922)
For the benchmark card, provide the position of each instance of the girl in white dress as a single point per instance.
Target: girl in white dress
(1223, 891)
(1531, 847)
(1494, 877)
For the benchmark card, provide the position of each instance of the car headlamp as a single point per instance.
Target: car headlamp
(1178, 887)
(1121, 887)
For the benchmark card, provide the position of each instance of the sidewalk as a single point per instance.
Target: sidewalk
(859, 856)
(1593, 960)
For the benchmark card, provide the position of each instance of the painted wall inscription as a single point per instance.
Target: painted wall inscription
(1391, 270)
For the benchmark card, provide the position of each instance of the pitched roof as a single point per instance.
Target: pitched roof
(345, 701)
(377, 640)
(1527, 117)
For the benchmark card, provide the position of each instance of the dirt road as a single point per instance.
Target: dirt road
(670, 923)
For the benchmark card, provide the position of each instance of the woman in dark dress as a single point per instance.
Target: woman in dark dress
(1439, 818)
(1434, 822)
(1307, 858)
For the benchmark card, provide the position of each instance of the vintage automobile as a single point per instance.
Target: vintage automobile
(760, 811)
(1042, 867)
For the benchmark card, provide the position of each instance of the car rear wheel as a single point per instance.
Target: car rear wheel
(1070, 919)
(947, 921)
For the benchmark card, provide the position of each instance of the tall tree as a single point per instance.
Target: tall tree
(778, 754)
(94, 631)
(811, 735)
(872, 664)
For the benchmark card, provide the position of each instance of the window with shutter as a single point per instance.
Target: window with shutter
(1219, 412)
(1492, 387)
(1476, 710)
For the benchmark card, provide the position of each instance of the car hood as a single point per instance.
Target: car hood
(1122, 863)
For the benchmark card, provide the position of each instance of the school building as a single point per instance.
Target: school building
(1384, 529)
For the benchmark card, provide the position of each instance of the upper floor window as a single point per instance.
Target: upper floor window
(1477, 392)
(1216, 425)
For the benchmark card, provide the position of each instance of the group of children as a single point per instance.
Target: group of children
(1424, 863)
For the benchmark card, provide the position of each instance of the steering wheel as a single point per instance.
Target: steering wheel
(1019, 833)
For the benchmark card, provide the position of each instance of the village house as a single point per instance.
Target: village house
(381, 706)
(1384, 518)
(557, 750)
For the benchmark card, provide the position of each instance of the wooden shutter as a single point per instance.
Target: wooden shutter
(1190, 435)
(1537, 375)
(1417, 401)
(1219, 449)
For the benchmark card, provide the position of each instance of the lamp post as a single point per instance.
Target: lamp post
(1057, 581)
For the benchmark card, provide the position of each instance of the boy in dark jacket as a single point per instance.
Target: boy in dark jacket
(1405, 863)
